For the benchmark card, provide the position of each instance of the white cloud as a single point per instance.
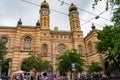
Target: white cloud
(12, 10)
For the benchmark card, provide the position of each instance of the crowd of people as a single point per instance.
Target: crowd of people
(25, 76)
(60, 76)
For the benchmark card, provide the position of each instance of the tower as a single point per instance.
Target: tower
(74, 18)
(44, 15)
(77, 34)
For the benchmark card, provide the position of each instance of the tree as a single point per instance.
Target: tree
(109, 45)
(69, 57)
(5, 65)
(32, 62)
(3, 53)
(109, 38)
(26, 66)
(116, 16)
(105, 40)
(35, 62)
(115, 51)
(47, 66)
(94, 67)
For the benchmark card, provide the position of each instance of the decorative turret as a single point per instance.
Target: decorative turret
(44, 4)
(74, 18)
(19, 23)
(72, 7)
(93, 26)
(44, 15)
(38, 23)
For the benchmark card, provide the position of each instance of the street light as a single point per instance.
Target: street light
(97, 17)
(0, 68)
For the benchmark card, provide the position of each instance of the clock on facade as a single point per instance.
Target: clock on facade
(61, 48)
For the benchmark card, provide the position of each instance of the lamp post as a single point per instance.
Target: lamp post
(52, 57)
(0, 68)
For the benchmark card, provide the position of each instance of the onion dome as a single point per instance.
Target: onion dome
(44, 4)
(38, 23)
(93, 26)
(72, 7)
(19, 22)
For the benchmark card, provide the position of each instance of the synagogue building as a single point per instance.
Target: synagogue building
(22, 39)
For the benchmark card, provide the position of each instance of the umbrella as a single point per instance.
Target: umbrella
(19, 72)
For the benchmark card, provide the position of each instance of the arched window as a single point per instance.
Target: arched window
(76, 23)
(44, 49)
(44, 23)
(80, 49)
(73, 24)
(27, 43)
(5, 40)
(90, 47)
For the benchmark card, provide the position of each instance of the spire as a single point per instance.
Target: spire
(19, 22)
(72, 7)
(93, 26)
(38, 23)
(44, 4)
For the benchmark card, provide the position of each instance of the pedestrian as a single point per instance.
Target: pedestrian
(17, 77)
(32, 78)
(78, 75)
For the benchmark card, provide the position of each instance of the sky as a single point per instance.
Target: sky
(12, 10)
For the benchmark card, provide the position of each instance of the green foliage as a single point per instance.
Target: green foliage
(4, 62)
(95, 67)
(116, 40)
(116, 16)
(35, 62)
(105, 39)
(69, 57)
(110, 37)
(3, 51)
(5, 65)
(109, 3)
(32, 62)
(47, 66)
(109, 44)
(25, 66)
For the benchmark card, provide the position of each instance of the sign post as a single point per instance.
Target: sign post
(73, 65)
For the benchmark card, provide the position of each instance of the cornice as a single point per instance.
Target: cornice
(60, 32)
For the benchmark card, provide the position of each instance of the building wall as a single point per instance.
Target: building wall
(39, 37)
(91, 53)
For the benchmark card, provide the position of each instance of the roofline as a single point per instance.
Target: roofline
(88, 34)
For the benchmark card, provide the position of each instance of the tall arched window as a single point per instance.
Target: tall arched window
(5, 40)
(73, 24)
(27, 43)
(90, 47)
(44, 49)
(79, 48)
